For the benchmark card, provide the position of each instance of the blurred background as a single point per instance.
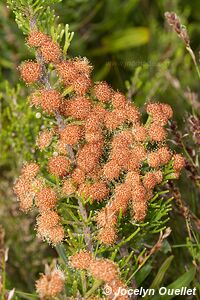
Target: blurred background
(135, 51)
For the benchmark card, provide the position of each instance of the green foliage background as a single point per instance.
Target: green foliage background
(131, 47)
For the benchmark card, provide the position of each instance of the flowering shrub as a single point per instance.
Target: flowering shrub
(100, 152)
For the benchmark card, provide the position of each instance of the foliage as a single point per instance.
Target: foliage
(131, 48)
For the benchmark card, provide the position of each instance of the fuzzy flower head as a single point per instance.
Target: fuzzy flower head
(104, 269)
(102, 91)
(81, 260)
(58, 165)
(30, 71)
(37, 39)
(44, 139)
(50, 285)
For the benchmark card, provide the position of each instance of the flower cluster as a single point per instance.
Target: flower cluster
(102, 149)
(50, 284)
(102, 269)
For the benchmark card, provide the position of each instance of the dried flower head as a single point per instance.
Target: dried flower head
(58, 165)
(102, 91)
(30, 71)
(81, 260)
(50, 285)
(174, 21)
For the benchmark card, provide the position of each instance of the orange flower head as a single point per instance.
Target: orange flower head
(46, 221)
(153, 159)
(115, 118)
(157, 133)
(132, 113)
(122, 197)
(100, 112)
(116, 285)
(133, 163)
(107, 235)
(139, 133)
(21, 187)
(82, 66)
(139, 151)
(122, 140)
(50, 100)
(71, 134)
(167, 110)
(102, 91)
(104, 269)
(81, 85)
(56, 235)
(164, 154)
(78, 108)
(159, 176)
(68, 187)
(111, 170)
(81, 260)
(30, 71)
(93, 137)
(118, 100)
(158, 115)
(98, 191)
(88, 156)
(121, 156)
(78, 176)
(46, 199)
(138, 193)
(178, 162)
(67, 72)
(140, 210)
(51, 52)
(92, 123)
(30, 170)
(133, 178)
(35, 99)
(44, 139)
(106, 217)
(149, 180)
(26, 202)
(37, 39)
(50, 285)
(58, 165)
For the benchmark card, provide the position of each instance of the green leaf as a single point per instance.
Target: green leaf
(183, 281)
(143, 274)
(161, 273)
(123, 40)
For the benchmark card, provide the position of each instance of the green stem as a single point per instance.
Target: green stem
(194, 60)
(95, 286)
